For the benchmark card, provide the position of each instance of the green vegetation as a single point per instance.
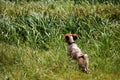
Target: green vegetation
(32, 43)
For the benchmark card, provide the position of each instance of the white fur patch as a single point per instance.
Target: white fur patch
(85, 55)
(71, 39)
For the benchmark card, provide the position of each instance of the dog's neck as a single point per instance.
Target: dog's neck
(69, 43)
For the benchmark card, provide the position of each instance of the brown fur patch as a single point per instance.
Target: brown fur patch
(68, 35)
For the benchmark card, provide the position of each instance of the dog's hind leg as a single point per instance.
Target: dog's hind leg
(83, 63)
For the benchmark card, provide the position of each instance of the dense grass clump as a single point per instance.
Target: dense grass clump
(32, 39)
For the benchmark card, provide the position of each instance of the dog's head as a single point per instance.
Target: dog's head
(70, 38)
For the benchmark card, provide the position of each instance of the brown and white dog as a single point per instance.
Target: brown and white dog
(75, 52)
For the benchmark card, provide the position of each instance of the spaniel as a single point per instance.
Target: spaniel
(75, 53)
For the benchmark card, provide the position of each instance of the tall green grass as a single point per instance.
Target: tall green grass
(32, 42)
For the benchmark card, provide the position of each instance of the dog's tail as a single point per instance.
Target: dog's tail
(86, 58)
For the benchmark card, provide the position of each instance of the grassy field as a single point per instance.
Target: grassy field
(32, 45)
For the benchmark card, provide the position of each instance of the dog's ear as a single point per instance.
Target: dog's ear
(75, 36)
(66, 38)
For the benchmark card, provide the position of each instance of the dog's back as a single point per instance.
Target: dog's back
(74, 51)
